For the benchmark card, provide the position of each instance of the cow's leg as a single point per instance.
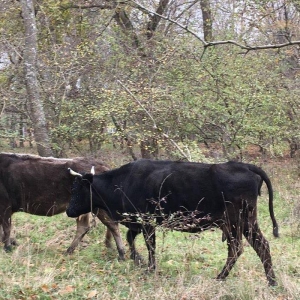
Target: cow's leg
(1, 232)
(108, 238)
(112, 230)
(6, 225)
(149, 236)
(256, 239)
(83, 227)
(235, 249)
(13, 240)
(131, 235)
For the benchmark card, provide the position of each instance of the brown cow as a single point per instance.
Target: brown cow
(42, 186)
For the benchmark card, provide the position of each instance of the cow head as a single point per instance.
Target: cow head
(80, 194)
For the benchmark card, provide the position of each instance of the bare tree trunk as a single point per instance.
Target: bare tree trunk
(125, 23)
(125, 136)
(207, 20)
(155, 19)
(32, 86)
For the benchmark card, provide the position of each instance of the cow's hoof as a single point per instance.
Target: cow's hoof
(149, 270)
(14, 242)
(138, 259)
(121, 258)
(272, 282)
(69, 251)
(8, 248)
(108, 244)
(220, 278)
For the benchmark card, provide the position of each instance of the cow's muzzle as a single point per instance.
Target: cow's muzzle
(71, 214)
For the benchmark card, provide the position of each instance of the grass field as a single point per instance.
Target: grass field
(187, 263)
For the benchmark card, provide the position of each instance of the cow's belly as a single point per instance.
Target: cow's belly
(191, 222)
(43, 209)
(178, 221)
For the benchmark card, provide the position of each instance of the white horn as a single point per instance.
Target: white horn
(74, 173)
(93, 170)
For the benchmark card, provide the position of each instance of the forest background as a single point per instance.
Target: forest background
(201, 80)
(151, 78)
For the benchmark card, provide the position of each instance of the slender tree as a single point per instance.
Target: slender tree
(207, 20)
(32, 85)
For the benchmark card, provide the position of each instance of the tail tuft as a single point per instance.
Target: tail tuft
(275, 231)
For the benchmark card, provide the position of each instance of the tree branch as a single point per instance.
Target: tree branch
(126, 25)
(207, 44)
(3, 108)
(153, 121)
(125, 136)
(155, 18)
(88, 6)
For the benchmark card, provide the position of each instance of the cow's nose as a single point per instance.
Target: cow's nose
(70, 214)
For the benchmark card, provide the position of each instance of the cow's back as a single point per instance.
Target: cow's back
(164, 184)
(39, 185)
(235, 180)
(172, 186)
(182, 184)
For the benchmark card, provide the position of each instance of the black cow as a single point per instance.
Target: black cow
(184, 196)
(42, 186)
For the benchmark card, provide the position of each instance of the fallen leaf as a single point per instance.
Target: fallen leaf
(45, 288)
(92, 294)
(66, 290)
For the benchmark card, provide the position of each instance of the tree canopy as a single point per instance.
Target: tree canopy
(154, 77)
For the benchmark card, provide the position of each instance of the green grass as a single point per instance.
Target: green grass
(186, 263)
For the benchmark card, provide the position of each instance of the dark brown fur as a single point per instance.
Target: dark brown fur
(42, 186)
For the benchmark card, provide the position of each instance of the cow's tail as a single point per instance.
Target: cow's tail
(266, 179)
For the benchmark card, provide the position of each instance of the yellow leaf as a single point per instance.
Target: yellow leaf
(66, 290)
(45, 288)
(92, 294)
